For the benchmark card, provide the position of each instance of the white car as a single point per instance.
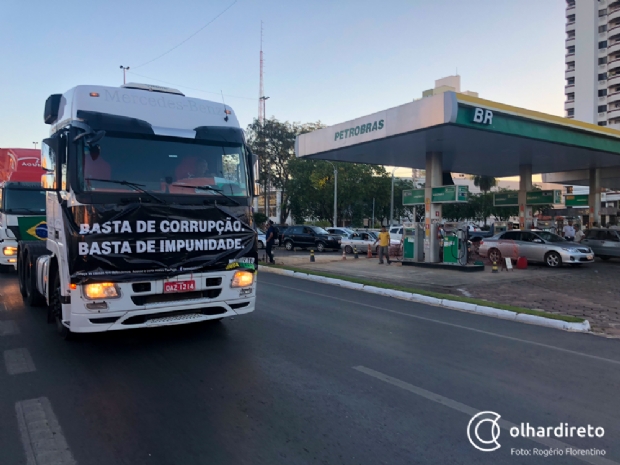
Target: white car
(396, 233)
(362, 240)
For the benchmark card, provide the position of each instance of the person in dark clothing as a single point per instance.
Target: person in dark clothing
(271, 238)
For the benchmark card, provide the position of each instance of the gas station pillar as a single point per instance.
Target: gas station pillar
(594, 198)
(432, 212)
(525, 184)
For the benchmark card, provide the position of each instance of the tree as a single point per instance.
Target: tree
(485, 183)
(274, 144)
(311, 190)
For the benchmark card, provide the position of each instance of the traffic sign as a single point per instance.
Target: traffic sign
(577, 200)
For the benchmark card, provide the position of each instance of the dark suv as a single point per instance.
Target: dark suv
(309, 237)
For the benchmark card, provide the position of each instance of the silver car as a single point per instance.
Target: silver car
(536, 246)
(604, 242)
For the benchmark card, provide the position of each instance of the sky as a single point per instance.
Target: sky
(324, 60)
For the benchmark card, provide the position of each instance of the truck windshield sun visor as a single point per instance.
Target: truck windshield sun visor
(104, 121)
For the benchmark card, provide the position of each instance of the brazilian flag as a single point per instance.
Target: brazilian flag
(32, 228)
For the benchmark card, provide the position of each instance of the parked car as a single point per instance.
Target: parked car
(536, 246)
(262, 239)
(342, 232)
(309, 237)
(361, 240)
(604, 242)
(396, 233)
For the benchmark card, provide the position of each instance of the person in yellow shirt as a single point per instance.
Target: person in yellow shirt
(384, 245)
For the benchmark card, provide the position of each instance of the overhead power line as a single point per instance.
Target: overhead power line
(181, 43)
(191, 88)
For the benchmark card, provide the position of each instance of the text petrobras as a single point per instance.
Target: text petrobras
(360, 129)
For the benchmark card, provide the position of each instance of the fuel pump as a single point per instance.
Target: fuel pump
(455, 244)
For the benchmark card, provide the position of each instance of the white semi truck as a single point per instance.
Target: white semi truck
(148, 210)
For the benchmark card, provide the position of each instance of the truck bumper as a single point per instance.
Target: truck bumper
(154, 308)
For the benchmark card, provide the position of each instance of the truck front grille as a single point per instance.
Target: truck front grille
(176, 297)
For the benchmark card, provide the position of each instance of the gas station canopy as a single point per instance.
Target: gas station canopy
(474, 136)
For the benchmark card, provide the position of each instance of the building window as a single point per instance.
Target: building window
(602, 60)
(602, 76)
(570, 49)
(571, 18)
(602, 44)
(602, 123)
(602, 92)
(570, 112)
(570, 97)
(602, 108)
(602, 12)
(570, 81)
(571, 34)
(602, 28)
(570, 3)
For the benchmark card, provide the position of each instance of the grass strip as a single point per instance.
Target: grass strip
(437, 295)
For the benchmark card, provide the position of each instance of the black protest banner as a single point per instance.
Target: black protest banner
(138, 241)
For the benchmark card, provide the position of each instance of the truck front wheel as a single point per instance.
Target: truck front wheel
(56, 308)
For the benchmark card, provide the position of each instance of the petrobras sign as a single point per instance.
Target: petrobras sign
(364, 128)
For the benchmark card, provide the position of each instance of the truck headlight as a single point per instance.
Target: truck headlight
(242, 279)
(101, 291)
(9, 251)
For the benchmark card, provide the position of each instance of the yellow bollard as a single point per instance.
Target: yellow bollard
(495, 267)
(355, 252)
(311, 255)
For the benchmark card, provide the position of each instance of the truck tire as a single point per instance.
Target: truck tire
(56, 308)
(21, 274)
(32, 251)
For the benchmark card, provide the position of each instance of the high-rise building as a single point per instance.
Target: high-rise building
(593, 61)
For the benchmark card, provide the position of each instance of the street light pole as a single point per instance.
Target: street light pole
(392, 200)
(35, 144)
(335, 194)
(124, 68)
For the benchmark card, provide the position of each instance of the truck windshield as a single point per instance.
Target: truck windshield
(163, 165)
(23, 201)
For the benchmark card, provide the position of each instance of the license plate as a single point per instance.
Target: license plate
(179, 286)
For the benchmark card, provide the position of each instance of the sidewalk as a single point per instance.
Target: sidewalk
(586, 292)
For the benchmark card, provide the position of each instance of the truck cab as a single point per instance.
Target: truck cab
(22, 202)
(148, 212)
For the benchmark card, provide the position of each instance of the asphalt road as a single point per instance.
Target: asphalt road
(317, 375)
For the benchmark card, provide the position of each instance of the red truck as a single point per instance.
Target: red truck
(22, 202)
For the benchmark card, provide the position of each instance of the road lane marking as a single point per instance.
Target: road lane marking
(8, 328)
(42, 437)
(18, 361)
(489, 333)
(455, 405)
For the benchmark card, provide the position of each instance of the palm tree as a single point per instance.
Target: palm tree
(485, 183)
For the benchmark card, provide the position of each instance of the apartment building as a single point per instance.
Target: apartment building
(593, 61)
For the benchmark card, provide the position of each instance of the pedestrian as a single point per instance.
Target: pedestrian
(271, 239)
(569, 231)
(578, 233)
(384, 245)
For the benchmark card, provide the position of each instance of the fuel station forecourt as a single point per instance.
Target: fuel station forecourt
(454, 132)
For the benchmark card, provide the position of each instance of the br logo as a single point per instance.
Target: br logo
(39, 231)
(489, 422)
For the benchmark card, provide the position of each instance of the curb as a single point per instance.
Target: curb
(583, 327)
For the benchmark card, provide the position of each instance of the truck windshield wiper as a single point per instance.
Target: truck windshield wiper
(24, 209)
(133, 185)
(208, 188)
